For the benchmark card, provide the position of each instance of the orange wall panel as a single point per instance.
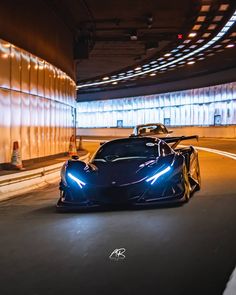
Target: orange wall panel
(35, 105)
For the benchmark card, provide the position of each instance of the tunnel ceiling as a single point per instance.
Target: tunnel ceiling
(112, 35)
(128, 32)
(120, 44)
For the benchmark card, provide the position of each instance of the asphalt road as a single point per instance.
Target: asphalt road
(189, 249)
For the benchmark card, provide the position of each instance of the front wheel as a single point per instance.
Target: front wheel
(198, 176)
(187, 187)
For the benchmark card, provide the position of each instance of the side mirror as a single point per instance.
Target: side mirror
(75, 157)
(102, 143)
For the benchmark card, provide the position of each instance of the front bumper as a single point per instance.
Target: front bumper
(72, 206)
(72, 201)
(169, 190)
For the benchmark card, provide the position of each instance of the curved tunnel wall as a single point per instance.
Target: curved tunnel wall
(37, 105)
(39, 28)
(214, 105)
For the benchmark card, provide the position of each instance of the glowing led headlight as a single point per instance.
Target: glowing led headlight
(77, 180)
(157, 175)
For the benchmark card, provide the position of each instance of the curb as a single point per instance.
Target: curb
(22, 182)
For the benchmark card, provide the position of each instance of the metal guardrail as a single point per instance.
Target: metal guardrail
(13, 184)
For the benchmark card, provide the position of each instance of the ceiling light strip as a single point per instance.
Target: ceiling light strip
(222, 32)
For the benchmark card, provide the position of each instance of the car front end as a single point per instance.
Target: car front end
(133, 182)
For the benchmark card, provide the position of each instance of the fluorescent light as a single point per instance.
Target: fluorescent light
(201, 18)
(230, 23)
(217, 18)
(206, 35)
(205, 8)
(221, 33)
(212, 27)
(196, 27)
(223, 7)
(230, 45)
(193, 34)
(217, 46)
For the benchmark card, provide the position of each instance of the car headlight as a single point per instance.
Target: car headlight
(153, 178)
(77, 180)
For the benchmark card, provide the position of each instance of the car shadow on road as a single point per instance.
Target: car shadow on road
(53, 210)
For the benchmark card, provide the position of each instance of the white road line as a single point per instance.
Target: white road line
(231, 285)
(222, 153)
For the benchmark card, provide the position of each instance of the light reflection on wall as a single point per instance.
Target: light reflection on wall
(214, 105)
(37, 101)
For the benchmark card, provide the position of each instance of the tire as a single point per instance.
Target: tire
(187, 186)
(198, 176)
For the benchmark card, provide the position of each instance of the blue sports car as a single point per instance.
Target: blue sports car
(135, 170)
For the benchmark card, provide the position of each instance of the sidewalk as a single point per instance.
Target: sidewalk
(37, 173)
(39, 163)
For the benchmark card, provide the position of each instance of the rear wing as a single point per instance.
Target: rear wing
(177, 139)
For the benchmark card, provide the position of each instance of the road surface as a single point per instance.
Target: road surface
(189, 249)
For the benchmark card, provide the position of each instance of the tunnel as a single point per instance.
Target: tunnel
(118, 147)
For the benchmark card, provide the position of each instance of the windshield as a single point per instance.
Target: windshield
(128, 149)
(152, 129)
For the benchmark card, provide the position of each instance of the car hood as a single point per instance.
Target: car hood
(123, 172)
